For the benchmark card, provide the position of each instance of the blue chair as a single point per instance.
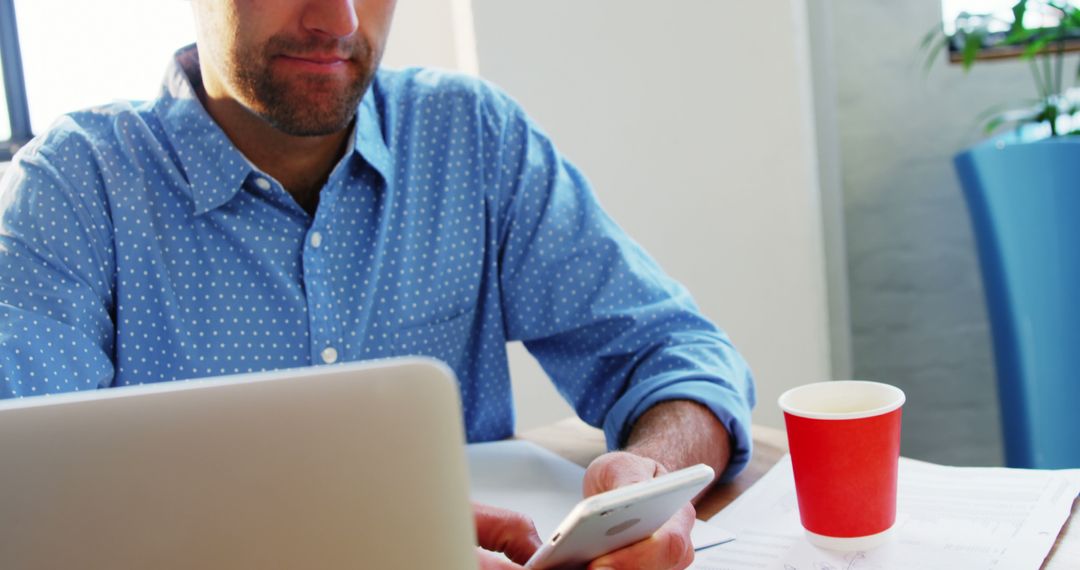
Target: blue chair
(1024, 200)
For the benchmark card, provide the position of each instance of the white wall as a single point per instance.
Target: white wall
(694, 121)
(432, 33)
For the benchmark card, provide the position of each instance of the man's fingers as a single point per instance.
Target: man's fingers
(618, 469)
(491, 561)
(669, 548)
(500, 530)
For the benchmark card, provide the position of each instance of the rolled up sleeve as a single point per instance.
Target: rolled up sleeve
(612, 330)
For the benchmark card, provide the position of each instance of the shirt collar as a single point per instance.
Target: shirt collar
(369, 142)
(213, 167)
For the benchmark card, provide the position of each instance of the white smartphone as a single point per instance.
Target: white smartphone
(609, 521)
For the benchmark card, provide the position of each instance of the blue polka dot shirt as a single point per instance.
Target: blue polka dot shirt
(139, 245)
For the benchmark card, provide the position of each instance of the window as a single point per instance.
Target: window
(80, 54)
(1001, 11)
(14, 126)
(5, 121)
(995, 18)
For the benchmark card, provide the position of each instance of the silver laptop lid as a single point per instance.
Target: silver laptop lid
(345, 466)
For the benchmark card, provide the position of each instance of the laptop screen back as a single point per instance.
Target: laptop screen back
(348, 466)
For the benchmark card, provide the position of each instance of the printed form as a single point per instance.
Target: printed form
(948, 518)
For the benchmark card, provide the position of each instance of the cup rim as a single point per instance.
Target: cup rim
(899, 399)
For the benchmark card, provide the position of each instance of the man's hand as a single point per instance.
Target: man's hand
(506, 532)
(669, 548)
(668, 436)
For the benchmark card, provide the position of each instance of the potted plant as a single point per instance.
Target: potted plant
(1043, 47)
(1023, 196)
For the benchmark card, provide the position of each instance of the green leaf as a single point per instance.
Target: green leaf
(1072, 20)
(1055, 34)
(1017, 112)
(1008, 107)
(1049, 113)
(993, 124)
(1011, 118)
(1019, 36)
(972, 44)
(1018, 10)
(1037, 46)
(936, 32)
(932, 54)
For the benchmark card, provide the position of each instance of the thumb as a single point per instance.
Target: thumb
(619, 469)
(504, 531)
(493, 561)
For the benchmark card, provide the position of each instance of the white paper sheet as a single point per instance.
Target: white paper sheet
(1067, 555)
(524, 477)
(948, 518)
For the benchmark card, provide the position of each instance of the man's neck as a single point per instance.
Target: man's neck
(300, 164)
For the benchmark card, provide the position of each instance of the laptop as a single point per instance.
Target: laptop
(342, 466)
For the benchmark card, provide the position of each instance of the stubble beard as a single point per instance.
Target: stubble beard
(304, 104)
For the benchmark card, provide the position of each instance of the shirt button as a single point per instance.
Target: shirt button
(329, 355)
(262, 183)
(316, 239)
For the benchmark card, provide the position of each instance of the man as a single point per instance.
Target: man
(283, 203)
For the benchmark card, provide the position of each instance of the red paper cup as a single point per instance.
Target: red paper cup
(844, 438)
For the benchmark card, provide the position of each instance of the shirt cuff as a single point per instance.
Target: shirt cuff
(728, 406)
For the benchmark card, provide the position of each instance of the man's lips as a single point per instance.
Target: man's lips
(315, 61)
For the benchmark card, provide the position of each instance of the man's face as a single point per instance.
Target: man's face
(302, 65)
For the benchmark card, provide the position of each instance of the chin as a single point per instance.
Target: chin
(308, 122)
(308, 117)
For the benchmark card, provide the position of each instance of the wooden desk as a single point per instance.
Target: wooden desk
(580, 443)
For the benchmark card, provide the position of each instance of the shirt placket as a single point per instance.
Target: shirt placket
(327, 345)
